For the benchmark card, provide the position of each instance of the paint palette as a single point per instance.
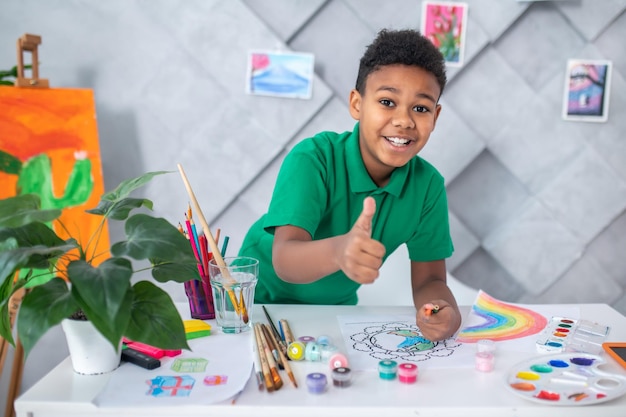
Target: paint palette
(563, 334)
(565, 379)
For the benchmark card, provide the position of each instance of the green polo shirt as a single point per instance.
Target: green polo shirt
(320, 188)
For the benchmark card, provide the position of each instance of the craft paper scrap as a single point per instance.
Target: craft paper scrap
(215, 370)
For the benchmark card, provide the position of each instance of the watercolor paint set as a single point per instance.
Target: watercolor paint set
(563, 334)
(565, 379)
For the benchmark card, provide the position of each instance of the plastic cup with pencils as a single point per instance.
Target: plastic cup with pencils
(200, 299)
(233, 283)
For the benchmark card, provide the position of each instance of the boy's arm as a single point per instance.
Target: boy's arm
(428, 280)
(299, 259)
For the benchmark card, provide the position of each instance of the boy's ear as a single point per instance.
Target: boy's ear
(437, 112)
(355, 104)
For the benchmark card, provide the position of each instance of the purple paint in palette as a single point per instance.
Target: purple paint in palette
(563, 334)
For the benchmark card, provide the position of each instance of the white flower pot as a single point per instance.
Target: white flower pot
(90, 352)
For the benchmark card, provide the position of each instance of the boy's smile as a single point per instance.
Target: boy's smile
(396, 114)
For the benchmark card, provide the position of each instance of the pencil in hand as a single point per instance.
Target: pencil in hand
(431, 309)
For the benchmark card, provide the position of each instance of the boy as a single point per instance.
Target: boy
(342, 202)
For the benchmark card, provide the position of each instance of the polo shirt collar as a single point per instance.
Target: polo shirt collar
(360, 181)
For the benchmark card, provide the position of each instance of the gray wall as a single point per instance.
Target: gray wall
(537, 204)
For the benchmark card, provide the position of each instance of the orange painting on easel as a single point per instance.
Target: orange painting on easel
(49, 147)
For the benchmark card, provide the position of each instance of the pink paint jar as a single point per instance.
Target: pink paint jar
(407, 373)
(484, 361)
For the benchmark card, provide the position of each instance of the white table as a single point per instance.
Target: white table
(438, 392)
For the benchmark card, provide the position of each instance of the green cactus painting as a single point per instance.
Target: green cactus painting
(49, 147)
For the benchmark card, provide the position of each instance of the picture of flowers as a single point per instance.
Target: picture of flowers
(587, 90)
(444, 24)
(280, 74)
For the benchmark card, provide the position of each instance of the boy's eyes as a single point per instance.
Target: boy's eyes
(388, 103)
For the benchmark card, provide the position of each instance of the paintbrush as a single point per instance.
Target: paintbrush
(276, 379)
(240, 307)
(283, 359)
(267, 377)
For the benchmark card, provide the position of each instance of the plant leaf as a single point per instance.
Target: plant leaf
(119, 210)
(150, 237)
(126, 187)
(23, 209)
(42, 308)
(111, 329)
(38, 257)
(155, 319)
(174, 271)
(101, 289)
(9, 163)
(36, 246)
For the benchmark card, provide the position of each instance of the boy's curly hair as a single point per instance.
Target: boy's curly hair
(405, 47)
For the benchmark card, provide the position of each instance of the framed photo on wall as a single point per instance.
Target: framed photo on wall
(587, 86)
(444, 24)
(280, 74)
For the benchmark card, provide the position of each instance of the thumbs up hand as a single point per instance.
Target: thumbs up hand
(360, 257)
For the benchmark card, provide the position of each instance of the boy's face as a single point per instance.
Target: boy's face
(397, 113)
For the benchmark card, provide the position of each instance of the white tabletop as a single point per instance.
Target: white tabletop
(438, 392)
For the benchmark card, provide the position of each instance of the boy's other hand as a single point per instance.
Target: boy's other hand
(360, 256)
(436, 321)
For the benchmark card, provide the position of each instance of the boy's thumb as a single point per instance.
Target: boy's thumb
(364, 222)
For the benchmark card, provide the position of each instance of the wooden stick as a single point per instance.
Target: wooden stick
(272, 345)
(276, 379)
(265, 367)
(284, 360)
(14, 304)
(240, 307)
(287, 330)
(16, 379)
(278, 342)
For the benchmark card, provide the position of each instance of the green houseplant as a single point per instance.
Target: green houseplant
(142, 311)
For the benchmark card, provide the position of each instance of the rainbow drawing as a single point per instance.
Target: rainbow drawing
(500, 321)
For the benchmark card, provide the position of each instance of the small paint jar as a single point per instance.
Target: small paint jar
(324, 340)
(484, 361)
(387, 369)
(295, 351)
(316, 382)
(342, 377)
(312, 352)
(338, 360)
(407, 373)
(306, 339)
(327, 351)
(486, 345)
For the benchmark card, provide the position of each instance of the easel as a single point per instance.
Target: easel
(26, 43)
(29, 43)
(17, 369)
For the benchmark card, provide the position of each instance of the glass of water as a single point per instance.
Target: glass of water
(233, 284)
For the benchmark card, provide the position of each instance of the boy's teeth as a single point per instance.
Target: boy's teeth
(398, 141)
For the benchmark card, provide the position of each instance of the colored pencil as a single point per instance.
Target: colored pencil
(224, 246)
(240, 307)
